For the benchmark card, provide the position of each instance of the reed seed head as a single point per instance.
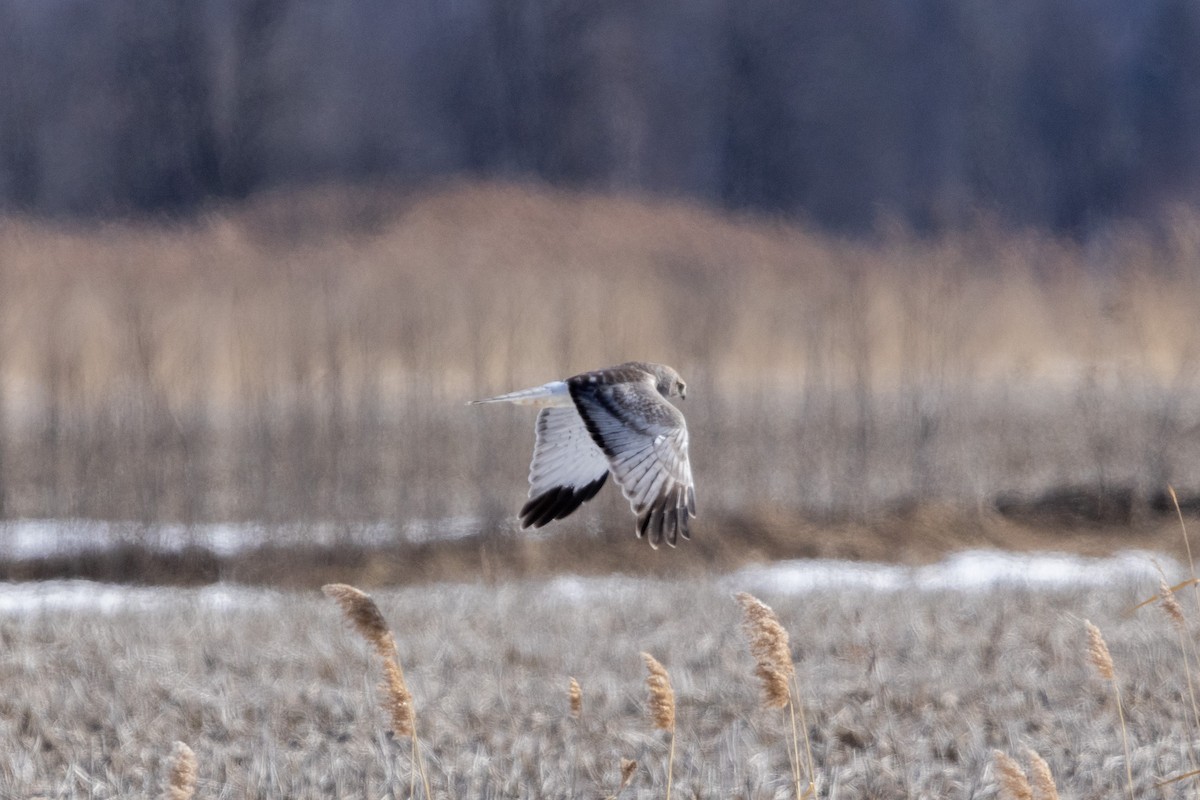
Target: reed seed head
(662, 696)
(575, 695)
(183, 773)
(1170, 605)
(628, 768)
(364, 615)
(397, 700)
(1043, 780)
(1013, 783)
(1098, 652)
(770, 648)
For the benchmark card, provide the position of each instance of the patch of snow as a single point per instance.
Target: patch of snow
(972, 570)
(109, 598)
(580, 589)
(40, 538)
(440, 530)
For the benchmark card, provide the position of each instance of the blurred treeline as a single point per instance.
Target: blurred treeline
(1061, 114)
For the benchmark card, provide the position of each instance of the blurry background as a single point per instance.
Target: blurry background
(926, 112)
(930, 269)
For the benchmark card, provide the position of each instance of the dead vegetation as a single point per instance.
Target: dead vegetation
(287, 361)
(908, 693)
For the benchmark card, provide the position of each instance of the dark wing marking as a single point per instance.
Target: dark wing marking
(567, 469)
(646, 442)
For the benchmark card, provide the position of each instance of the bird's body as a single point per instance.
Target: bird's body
(615, 420)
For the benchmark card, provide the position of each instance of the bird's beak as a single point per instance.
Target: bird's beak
(683, 394)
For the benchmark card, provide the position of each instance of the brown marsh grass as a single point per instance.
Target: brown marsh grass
(1044, 786)
(364, 615)
(575, 698)
(769, 644)
(182, 785)
(307, 356)
(662, 707)
(911, 692)
(1014, 783)
(1101, 658)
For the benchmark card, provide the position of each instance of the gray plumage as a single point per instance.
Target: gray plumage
(611, 421)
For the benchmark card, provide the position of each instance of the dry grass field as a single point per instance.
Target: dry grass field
(307, 356)
(906, 692)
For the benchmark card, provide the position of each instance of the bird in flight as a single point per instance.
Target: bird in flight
(615, 420)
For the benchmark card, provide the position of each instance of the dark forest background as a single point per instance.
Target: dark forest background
(1062, 114)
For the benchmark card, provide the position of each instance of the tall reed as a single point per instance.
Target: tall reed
(1174, 611)
(1044, 787)
(575, 706)
(575, 698)
(1098, 654)
(774, 667)
(662, 707)
(182, 782)
(364, 615)
(1014, 784)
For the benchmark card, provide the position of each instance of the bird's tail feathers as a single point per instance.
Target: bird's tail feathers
(554, 393)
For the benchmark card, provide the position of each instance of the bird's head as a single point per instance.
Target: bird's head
(669, 383)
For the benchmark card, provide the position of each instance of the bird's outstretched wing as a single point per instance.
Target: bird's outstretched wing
(567, 469)
(645, 440)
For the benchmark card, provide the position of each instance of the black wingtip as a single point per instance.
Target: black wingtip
(558, 503)
(667, 518)
(643, 519)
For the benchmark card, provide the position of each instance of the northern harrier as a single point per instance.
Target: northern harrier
(611, 420)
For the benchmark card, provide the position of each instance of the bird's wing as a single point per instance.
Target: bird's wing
(567, 470)
(645, 439)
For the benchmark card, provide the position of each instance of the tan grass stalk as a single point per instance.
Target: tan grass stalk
(769, 644)
(662, 706)
(1178, 778)
(182, 785)
(1195, 581)
(1044, 787)
(575, 703)
(793, 708)
(1175, 611)
(1102, 660)
(1186, 543)
(1013, 783)
(1156, 598)
(575, 697)
(366, 618)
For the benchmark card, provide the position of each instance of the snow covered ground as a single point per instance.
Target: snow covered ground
(966, 571)
(39, 538)
(972, 571)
